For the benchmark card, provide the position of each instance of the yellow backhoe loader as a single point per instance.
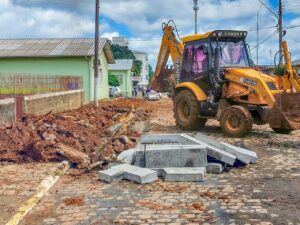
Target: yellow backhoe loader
(214, 78)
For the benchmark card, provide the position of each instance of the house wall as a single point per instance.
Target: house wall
(55, 102)
(70, 66)
(126, 86)
(7, 111)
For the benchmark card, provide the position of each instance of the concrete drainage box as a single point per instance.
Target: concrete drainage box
(162, 156)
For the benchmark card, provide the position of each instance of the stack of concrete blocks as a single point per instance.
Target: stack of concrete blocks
(176, 157)
(172, 161)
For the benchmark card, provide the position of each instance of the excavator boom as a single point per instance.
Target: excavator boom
(172, 46)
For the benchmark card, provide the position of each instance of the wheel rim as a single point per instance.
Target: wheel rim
(233, 122)
(184, 110)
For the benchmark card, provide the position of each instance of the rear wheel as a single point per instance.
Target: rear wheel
(282, 130)
(236, 121)
(186, 111)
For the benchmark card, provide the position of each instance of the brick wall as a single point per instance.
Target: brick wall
(41, 104)
(7, 111)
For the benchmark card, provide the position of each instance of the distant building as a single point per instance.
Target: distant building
(122, 41)
(58, 57)
(143, 56)
(122, 70)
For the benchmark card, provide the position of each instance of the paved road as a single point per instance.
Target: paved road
(265, 193)
(18, 183)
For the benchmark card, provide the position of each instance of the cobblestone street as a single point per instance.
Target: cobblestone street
(263, 193)
(239, 196)
(18, 183)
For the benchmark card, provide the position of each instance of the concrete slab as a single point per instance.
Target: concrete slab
(128, 172)
(115, 173)
(195, 174)
(160, 139)
(168, 155)
(214, 152)
(140, 155)
(241, 154)
(127, 156)
(158, 170)
(244, 155)
(215, 168)
(141, 175)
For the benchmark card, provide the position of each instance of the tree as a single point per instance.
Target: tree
(150, 72)
(113, 80)
(123, 52)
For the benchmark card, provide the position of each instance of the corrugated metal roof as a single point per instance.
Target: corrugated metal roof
(139, 52)
(56, 47)
(121, 64)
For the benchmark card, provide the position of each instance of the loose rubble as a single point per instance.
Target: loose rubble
(177, 158)
(83, 137)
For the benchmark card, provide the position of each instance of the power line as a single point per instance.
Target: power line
(264, 40)
(293, 27)
(268, 8)
(264, 28)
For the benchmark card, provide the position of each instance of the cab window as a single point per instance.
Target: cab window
(195, 62)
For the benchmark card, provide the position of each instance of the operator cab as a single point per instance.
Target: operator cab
(207, 56)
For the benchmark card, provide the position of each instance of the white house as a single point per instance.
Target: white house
(143, 56)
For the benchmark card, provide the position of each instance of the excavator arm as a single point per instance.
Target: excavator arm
(171, 45)
(290, 74)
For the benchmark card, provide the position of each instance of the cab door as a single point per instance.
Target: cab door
(195, 62)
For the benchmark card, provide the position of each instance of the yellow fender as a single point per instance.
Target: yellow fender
(197, 91)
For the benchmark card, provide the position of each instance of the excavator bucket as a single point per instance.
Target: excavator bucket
(285, 114)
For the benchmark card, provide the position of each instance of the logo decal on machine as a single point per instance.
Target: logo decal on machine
(177, 70)
(248, 81)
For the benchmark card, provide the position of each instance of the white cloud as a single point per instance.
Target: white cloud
(110, 35)
(143, 19)
(20, 21)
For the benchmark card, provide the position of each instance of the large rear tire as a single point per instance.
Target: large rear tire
(236, 121)
(186, 111)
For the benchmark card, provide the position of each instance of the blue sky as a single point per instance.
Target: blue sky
(140, 20)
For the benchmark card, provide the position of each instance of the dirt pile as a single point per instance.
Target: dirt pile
(99, 133)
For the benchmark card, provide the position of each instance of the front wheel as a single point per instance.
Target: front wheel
(236, 121)
(186, 111)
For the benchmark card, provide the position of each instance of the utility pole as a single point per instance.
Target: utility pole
(280, 29)
(196, 8)
(257, 38)
(96, 62)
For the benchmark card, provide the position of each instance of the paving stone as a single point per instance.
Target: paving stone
(184, 174)
(127, 156)
(161, 156)
(141, 175)
(215, 168)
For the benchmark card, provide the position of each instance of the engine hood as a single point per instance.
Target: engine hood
(249, 73)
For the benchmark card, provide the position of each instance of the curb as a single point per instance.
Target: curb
(42, 189)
